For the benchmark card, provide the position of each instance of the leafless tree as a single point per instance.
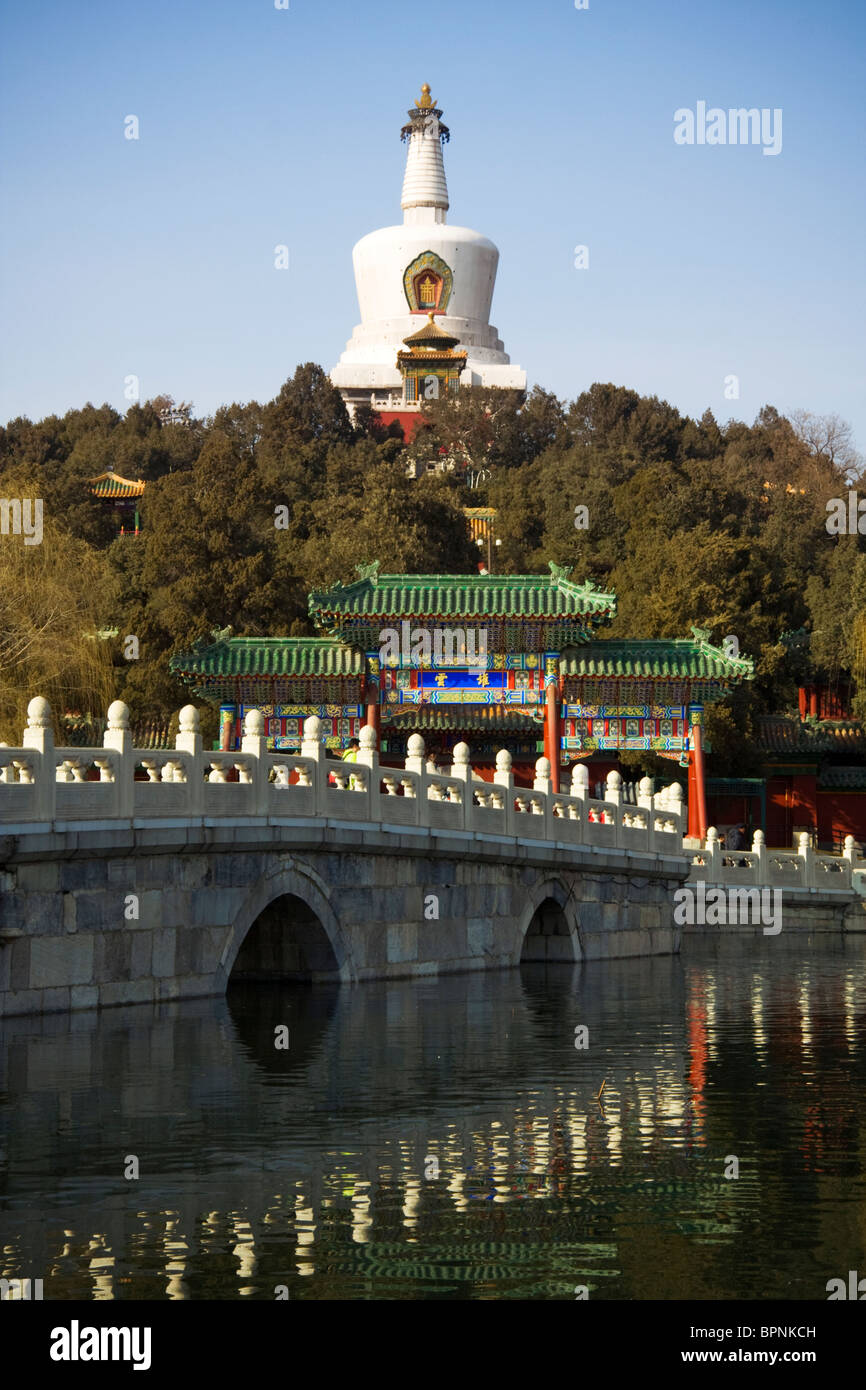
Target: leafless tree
(829, 439)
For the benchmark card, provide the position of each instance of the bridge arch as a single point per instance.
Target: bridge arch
(548, 929)
(317, 931)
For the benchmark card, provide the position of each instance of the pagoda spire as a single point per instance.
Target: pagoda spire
(425, 192)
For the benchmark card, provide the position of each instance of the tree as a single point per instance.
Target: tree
(829, 439)
(409, 527)
(55, 599)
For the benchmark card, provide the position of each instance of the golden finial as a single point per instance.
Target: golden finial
(426, 99)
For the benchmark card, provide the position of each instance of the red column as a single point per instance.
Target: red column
(373, 712)
(552, 737)
(694, 819)
(699, 785)
(813, 701)
(228, 715)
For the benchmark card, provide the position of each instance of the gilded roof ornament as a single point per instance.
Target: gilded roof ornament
(426, 99)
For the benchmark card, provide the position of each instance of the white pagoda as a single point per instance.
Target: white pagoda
(423, 267)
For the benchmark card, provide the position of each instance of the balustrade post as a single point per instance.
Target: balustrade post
(504, 779)
(188, 740)
(807, 855)
(368, 756)
(415, 791)
(645, 802)
(461, 771)
(311, 747)
(850, 855)
(713, 856)
(580, 781)
(544, 783)
(675, 812)
(762, 864)
(613, 793)
(39, 736)
(254, 743)
(416, 761)
(118, 736)
(542, 776)
(580, 790)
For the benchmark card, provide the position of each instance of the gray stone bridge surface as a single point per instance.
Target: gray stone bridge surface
(315, 902)
(252, 864)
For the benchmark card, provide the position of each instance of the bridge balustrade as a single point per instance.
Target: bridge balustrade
(43, 785)
(798, 870)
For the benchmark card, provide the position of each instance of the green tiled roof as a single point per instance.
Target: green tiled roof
(298, 657)
(681, 659)
(507, 597)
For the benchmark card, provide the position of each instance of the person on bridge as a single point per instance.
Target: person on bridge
(351, 756)
(736, 839)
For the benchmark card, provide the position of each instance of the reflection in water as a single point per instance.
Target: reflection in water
(443, 1138)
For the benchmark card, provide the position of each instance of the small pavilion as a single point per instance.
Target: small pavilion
(124, 496)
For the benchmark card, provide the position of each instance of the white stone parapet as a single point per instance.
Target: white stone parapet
(801, 870)
(43, 788)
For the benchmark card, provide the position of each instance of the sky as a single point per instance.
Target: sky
(259, 127)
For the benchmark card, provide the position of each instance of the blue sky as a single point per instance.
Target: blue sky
(261, 127)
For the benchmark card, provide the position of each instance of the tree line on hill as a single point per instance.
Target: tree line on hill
(689, 521)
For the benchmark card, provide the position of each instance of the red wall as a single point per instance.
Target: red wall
(408, 420)
(841, 813)
(791, 802)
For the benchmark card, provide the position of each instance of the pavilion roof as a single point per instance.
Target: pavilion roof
(811, 736)
(545, 600)
(432, 336)
(299, 657)
(111, 484)
(684, 659)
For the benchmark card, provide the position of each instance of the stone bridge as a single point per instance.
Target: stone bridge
(132, 875)
(129, 875)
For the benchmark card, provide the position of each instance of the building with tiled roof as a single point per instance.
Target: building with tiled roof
(124, 495)
(812, 777)
(500, 661)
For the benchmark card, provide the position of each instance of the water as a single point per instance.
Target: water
(442, 1139)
